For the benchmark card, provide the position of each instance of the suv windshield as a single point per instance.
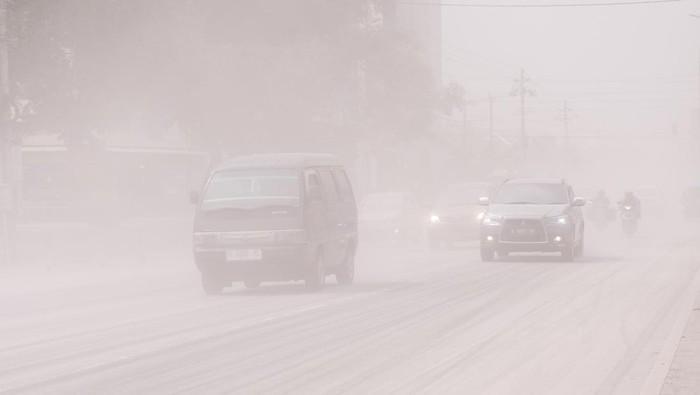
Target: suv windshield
(531, 194)
(250, 189)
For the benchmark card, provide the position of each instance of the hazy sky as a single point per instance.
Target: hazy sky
(628, 69)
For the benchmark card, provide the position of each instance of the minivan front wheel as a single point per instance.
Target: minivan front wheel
(212, 285)
(315, 275)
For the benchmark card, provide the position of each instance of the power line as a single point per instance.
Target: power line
(484, 5)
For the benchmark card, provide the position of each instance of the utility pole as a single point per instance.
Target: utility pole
(466, 135)
(521, 88)
(490, 124)
(465, 131)
(697, 16)
(565, 118)
(4, 124)
(7, 187)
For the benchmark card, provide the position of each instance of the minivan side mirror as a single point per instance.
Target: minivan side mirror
(194, 197)
(579, 202)
(484, 201)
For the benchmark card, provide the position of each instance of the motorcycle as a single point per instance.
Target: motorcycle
(628, 217)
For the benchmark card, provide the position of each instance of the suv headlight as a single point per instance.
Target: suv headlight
(490, 219)
(434, 219)
(559, 220)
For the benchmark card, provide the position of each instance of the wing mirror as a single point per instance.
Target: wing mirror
(194, 197)
(579, 202)
(484, 201)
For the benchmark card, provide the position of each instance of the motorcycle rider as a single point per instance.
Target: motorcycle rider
(630, 200)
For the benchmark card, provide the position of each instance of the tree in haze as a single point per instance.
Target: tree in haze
(259, 75)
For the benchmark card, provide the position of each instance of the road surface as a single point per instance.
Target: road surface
(415, 321)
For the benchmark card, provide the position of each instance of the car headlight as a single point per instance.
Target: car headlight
(480, 216)
(434, 219)
(490, 219)
(559, 220)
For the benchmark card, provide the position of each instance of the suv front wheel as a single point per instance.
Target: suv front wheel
(568, 253)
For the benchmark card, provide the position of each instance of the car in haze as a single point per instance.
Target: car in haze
(275, 218)
(456, 216)
(390, 216)
(532, 215)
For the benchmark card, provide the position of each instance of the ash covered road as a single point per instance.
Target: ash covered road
(415, 321)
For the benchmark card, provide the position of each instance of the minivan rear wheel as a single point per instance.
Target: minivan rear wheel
(346, 272)
(315, 275)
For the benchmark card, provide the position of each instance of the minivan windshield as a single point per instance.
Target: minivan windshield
(251, 189)
(531, 194)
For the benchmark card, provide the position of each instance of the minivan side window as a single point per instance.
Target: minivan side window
(328, 185)
(312, 179)
(342, 183)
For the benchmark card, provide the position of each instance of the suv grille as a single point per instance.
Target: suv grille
(523, 231)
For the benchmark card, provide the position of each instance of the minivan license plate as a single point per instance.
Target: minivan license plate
(244, 255)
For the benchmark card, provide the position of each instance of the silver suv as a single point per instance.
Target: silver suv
(532, 215)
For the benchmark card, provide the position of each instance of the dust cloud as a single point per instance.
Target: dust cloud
(369, 129)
